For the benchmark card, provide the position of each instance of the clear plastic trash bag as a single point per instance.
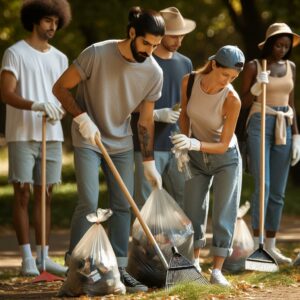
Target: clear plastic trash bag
(93, 268)
(170, 227)
(243, 244)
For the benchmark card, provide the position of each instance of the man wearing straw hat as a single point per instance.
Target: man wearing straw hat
(174, 66)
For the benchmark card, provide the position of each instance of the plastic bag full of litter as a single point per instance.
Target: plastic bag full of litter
(243, 243)
(170, 227)
(93, 268)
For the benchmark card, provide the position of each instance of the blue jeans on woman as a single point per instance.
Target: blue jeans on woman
(277, 165)
(225, 173)
(87, 164)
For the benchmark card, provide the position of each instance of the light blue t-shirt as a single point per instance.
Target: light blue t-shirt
(110, 90)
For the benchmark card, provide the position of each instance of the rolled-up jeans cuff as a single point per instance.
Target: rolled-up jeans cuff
(122, 262)
(223, 252)
(200, 243)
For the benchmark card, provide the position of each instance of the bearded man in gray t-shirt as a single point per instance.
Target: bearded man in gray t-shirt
(114, 78)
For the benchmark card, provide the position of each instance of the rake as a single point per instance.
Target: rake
(180, 268)
(261, 260)
(44, 276)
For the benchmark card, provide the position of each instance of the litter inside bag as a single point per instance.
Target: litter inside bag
(243, 243)
(170, 227)
(93, 268)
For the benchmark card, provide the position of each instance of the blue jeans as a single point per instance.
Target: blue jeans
(224, 171)
(277, 165)
(173, 180)
(87, 163)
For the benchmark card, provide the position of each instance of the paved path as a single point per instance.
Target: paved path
(59, 240)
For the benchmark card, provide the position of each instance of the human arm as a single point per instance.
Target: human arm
(295, 131)
(11, 97)
(231, 109)
(248, 80)
(61, 89)
(184, 121)
(146, 139)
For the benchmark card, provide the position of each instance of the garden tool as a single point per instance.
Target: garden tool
(44, 276)
(260, 259)
(180, 268)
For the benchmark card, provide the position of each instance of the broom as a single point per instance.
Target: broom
(261, 260)
(180, 268)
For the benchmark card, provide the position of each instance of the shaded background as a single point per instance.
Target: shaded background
(219, 22)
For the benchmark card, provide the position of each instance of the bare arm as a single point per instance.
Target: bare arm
(8, 92)
(231, 110)
(248, 79)
(292, 101)
(184, 121)
(61, 89)
(146, 129)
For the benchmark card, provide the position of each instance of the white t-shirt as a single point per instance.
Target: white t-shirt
(110, 90)
(36, 72)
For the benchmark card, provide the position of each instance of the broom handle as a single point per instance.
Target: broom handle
(262, 159)
(131, 202)
(43, 196)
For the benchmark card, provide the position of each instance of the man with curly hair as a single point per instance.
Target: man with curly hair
(113, 78)
(29, 69)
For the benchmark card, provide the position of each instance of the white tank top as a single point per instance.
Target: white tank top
(205, 112)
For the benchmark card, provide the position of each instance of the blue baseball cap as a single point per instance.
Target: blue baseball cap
(230, 57)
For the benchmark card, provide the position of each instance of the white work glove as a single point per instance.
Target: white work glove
(182, 142)
(152, 174)
(87, 128)
(166, 115)
(295, 149)
(53, 111)
(262, 77)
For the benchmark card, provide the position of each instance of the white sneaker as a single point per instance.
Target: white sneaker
(218, 278)
(29, 268)
(196, 264)
(297, 260)
(279, 257)
(52, 267)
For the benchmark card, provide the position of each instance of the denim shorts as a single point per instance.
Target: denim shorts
(25, 164)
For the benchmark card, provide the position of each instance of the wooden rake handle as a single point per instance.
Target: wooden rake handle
(132, 203)
(262, 158)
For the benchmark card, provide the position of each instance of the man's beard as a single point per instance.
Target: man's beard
(139, 57)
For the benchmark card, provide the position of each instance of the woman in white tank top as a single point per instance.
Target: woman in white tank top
(282, 142)
(210, 116)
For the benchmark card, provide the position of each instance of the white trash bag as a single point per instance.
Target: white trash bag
(170, 227)
(93, 268)
(243, 244)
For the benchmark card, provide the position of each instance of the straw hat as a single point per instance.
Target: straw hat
(279, 28)
(175, 23)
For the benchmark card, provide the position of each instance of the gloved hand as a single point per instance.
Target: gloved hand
(87, 128)
(182, 142)
(53, 111)
(166, 115)
(262, 77)
(152, 174)
(295, 149)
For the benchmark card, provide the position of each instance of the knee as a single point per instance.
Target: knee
(22, 193)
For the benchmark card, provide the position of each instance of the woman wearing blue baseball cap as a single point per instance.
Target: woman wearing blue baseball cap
(207, 122)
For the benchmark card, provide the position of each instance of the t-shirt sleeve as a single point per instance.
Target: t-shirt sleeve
(156, 86)
(10, 63)
(85, 61)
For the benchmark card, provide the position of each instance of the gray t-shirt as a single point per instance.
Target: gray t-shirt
(110, 90)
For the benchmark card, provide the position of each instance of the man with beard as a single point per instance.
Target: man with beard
(174, 66)
(29, 69)
(113, 78)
